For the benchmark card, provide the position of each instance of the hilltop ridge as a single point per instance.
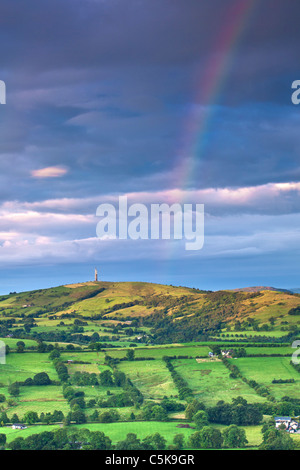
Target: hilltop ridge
(185, 312)
(261, 288)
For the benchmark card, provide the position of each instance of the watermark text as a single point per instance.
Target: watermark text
(159, 221)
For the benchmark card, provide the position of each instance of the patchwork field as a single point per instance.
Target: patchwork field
(152, 378)
(210, 382)
(159, 353)
(135, 358)
(22, 366)
(263, 370)
(41, 399)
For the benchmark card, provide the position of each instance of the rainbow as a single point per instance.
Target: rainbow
(210, 81)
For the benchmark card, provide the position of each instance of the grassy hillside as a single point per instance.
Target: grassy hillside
(178, 313)
(134, 356)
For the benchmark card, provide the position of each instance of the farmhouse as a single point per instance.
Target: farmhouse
(18, 426)
(227, 354)
(290, 424)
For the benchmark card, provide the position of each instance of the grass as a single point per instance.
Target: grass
(12, 434)
(152, 378)
(248, 334)
(38, 398)
(210, 382)
(270, 350)
(93, 357)
(116, 431)
(12, 342)
(264, 369)
(160, 352)
(19, 367)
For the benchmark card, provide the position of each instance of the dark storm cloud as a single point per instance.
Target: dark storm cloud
(104, 87)
(101, 94)
(41, 36)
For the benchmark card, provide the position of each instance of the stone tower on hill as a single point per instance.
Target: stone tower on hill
(96, 275)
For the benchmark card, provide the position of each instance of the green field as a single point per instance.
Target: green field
(12, 342)
(159, 353)
(22, 366)
(41, 399)
(263, 370)
(210, 382)
(151, 377)
(153, 322)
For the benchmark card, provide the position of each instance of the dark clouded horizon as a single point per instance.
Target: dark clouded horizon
(160, 100)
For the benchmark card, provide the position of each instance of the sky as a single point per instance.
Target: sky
(163, 101)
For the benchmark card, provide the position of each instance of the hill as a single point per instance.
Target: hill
(177, 313)
(295, 290)
(261, 288)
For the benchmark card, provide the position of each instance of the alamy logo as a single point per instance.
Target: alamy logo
(2, 92)
(295, 358)
(2, 353)
(161, 221)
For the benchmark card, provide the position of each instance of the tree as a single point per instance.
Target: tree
(194, 441)
(28, 382)
(109, 416)
(15, 418)
(69, 393)
(239, 401)
(54, 354)
(119, 378)
(99, 441)
(130, 443)
(207, 438)
(78, 416)
(159, 413)
(95, 337)
(192, 409)
(79, 402)
(154, 412)
(58, 416)
(2, 440)
(17, 444)
(67, 420)
(216, 349)
(4, 418)
(155, 442)
(106, 378)
(178, 441)
(211, 438)
(2, 398)
(275, 439)
(14, 389)
(42, 378)
(42, 347)
(130, 354)
(60, 437)
(31, 417)
(95, 416)
(234, 437)
(200, 419)
(20, 348)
